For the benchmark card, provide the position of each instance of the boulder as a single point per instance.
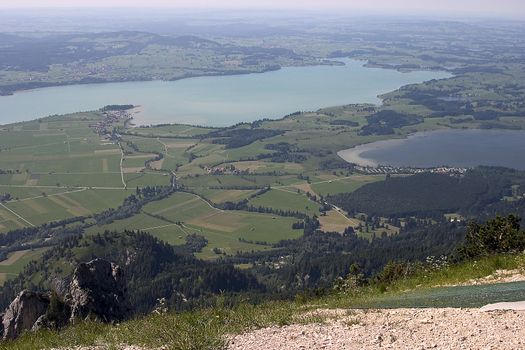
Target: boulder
(98, 292)
(23, 312)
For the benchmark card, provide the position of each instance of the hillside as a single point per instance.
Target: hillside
(333, 321)
(440, 285)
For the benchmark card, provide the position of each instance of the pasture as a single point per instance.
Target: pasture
(16, 261)
(287, 200)
(56, 168)
(331, 184)
(335, 221)
(173, 218)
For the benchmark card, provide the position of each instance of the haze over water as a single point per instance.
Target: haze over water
(221, 100)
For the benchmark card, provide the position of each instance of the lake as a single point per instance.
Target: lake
(459, 148)
(219, 100)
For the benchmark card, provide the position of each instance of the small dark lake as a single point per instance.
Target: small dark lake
(461, 148)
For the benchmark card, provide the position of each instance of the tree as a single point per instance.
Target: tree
(499, 235)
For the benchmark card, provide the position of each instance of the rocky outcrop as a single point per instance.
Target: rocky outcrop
(97, 291)
(23, 312)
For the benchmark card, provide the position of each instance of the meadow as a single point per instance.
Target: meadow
(227, 232)
(58, 168)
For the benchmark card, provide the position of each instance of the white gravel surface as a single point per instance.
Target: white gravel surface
(516, 306)
(395, 329)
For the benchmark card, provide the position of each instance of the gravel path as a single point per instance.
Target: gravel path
(395, 329)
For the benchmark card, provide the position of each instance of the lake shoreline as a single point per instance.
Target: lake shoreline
(221, 100)
(43, 85)
(465, 148)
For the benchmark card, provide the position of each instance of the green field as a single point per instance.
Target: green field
(16, 261)
(285, 199)
(181, 214)
(330, 185)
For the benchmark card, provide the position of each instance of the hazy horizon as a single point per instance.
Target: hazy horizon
(502, 8)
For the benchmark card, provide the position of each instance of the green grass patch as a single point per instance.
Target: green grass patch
(286, 200)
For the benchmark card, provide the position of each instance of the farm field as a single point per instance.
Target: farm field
(63, 205)
(173, 218)
(329, 184)
(335, 221)
(57, 168)
(16, 261)
(286, 200)
(60, 168)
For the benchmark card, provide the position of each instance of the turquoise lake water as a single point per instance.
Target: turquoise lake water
(219, 100)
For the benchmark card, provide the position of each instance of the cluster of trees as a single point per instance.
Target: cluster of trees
(158, 156)
(244, 240)
(344, 122)
(134, 203)
(235, 138)
(426, 194)
(317, 259)
(384, 122)
(195, 243)
(496, 236)
(153, 270)
(244, 205)
(500, 235)
(110, 108)
(442, 104)
(285, 152)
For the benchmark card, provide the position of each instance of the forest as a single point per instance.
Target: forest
(422, 195)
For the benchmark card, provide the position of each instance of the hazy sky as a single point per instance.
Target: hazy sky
(514, 8)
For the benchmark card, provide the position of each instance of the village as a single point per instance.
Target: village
(112, 115)
(387, 169)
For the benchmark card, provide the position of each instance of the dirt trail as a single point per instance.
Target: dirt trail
(395, 329)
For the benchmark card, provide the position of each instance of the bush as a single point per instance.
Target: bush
(499, 235)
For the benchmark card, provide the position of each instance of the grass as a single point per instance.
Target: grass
(55, 205)
(17, 261)
(286, 199)
(173, 218)
(57, 161)
(437, 288)
(210, 328)
(330, 185)
(334, 221)
(198, 330)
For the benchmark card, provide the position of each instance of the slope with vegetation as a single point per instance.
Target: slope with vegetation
(210, 327)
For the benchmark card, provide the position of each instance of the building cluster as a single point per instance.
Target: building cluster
(104, 126)
(80, 71)
(386, 169)
(227, 170)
